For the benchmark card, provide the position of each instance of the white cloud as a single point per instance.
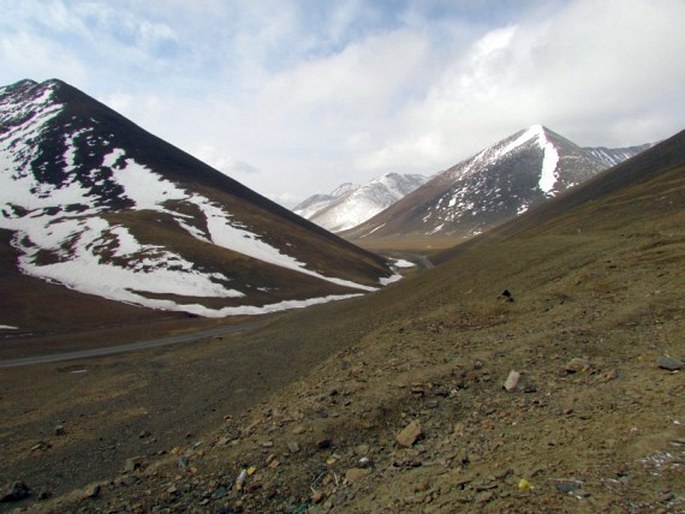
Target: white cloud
(599, 73)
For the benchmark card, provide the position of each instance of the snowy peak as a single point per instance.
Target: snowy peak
(349, 205)
(102, 207)
(500, 182)
(613, 156)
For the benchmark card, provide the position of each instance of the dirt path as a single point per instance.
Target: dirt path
(130, 347)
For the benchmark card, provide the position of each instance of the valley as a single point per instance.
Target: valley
(395, 401)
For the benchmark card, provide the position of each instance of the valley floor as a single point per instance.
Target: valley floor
(363, 408)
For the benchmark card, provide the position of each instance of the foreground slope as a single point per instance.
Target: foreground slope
(96, 204)
(499, 183)
(594, 424)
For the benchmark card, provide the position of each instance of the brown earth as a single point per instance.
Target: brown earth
(311, 404)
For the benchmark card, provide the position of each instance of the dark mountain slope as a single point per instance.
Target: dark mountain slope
(105, 208)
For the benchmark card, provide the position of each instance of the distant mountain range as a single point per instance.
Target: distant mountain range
(94, 203)
(498, 184)
(349, 205)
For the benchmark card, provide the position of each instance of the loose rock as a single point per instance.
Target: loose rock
(577, 365)
(356, 474)
(92, 491)
(670, 363)
(410, 434)
(511, 384)
(133, 463)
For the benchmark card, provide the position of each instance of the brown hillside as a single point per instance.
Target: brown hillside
(594, 305)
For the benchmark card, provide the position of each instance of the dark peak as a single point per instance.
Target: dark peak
(24, 83)
(19, 87)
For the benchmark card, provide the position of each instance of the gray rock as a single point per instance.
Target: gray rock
(568, 486)
(670, 363)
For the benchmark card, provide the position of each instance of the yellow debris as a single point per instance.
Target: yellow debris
(524, 485)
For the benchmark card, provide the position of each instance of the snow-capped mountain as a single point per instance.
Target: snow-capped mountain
(99, 205)
(349, 205)
(613, 156)
(499, 183)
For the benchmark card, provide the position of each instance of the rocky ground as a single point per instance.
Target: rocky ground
(563, 394)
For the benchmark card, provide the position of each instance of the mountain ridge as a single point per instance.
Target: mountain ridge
(348, 205)
(87, 192)
(498, 183)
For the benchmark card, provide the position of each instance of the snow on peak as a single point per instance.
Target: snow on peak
(338, 212)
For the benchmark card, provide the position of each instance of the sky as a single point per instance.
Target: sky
(295, 97)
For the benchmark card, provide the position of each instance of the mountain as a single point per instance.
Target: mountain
(613, 156)
(402, 393)
(349, 205)
(94, 203)
(499, 183)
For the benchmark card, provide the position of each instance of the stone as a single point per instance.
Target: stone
(133, 463)
(670, 363)
(568, 486)
(356, 474)
(408, 436)
(14, 492)
(512, 381)
(577, 365)
(41, 446)
(92, 491)
(298, 430)
(60, 430)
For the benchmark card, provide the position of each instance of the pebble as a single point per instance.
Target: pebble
(92, 491)
(512, 381)
(133, 463)
(408, 436)
(60, 430)
(577, 365)
(356, 474)
(670, 363)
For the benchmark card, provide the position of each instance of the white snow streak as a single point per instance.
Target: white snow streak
(8, 327)
(249, 310)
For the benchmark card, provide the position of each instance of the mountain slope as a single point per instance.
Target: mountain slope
(349, 205)
(613, 156)
(102, 207)
(499, 183)
(593, 424)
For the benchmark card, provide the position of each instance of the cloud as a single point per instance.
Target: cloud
(599, 73)
(313, 94)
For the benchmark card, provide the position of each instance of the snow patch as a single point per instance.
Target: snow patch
(8, 327)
